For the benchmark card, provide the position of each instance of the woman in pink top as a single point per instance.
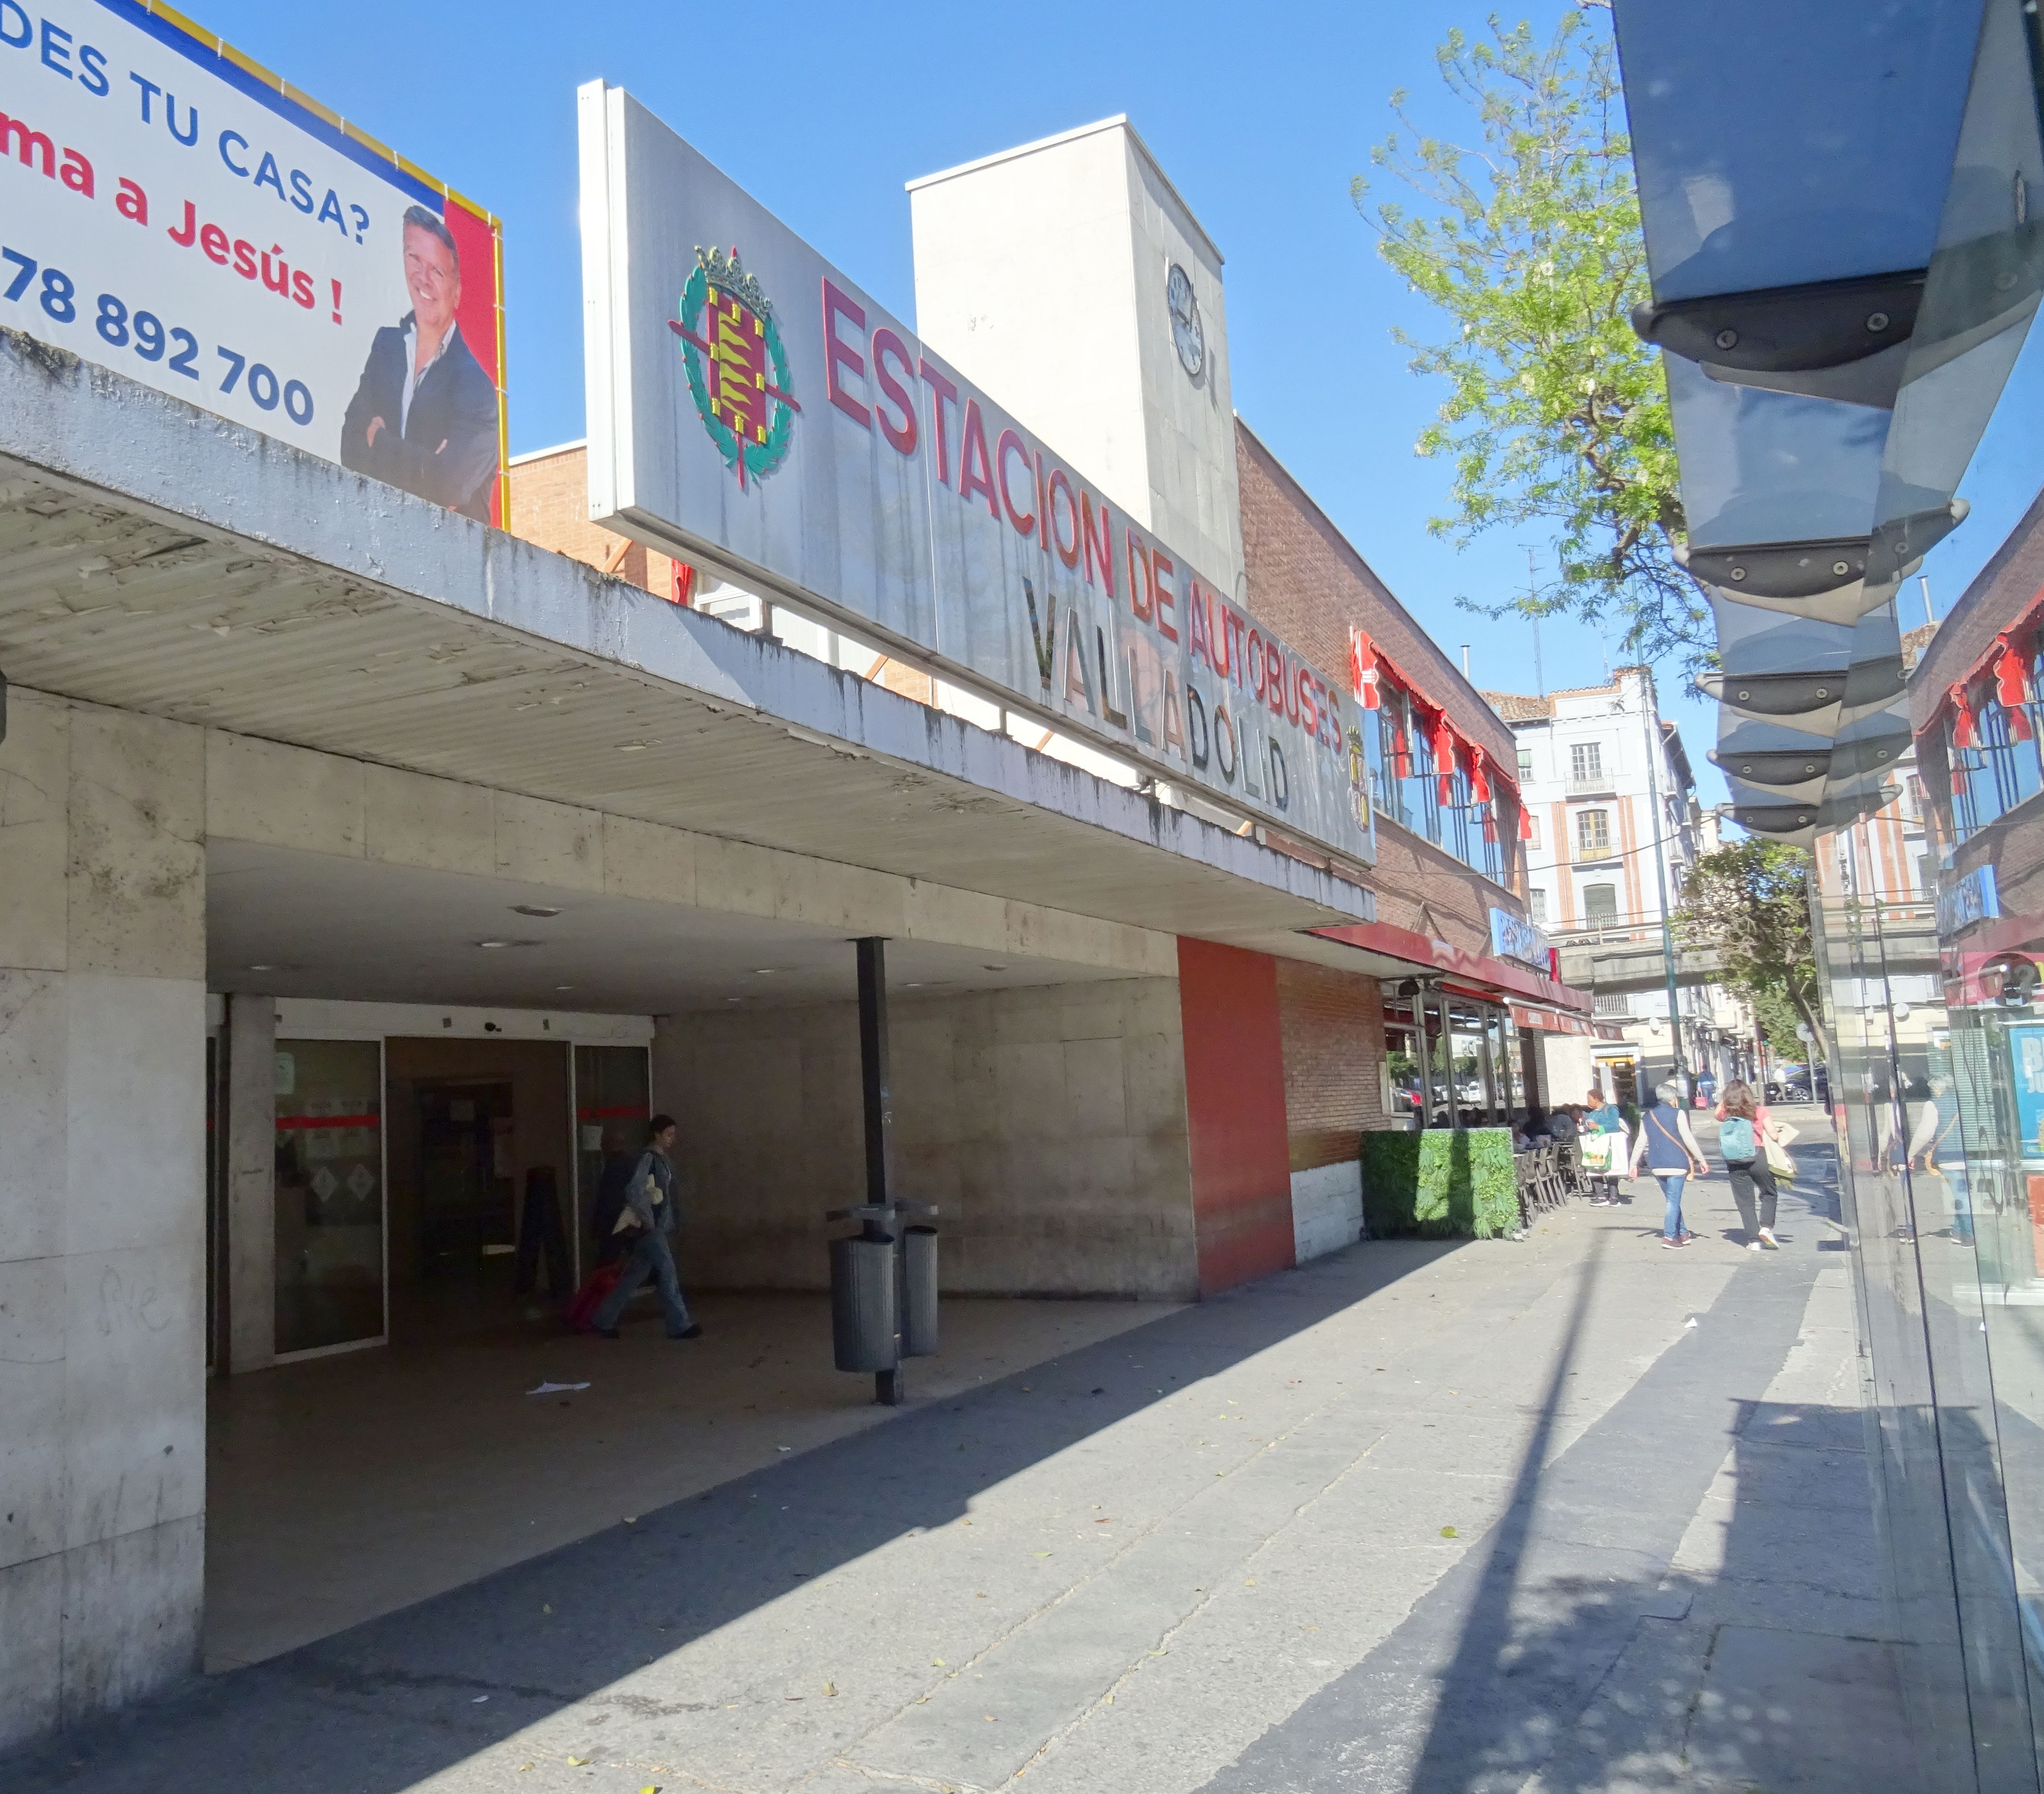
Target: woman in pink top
(1744, 1127)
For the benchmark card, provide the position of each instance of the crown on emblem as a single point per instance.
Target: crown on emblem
(724, 272)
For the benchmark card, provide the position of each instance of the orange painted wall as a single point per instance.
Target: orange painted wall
(1234, 1109)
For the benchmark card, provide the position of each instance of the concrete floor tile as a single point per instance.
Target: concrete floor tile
(1148, 1597)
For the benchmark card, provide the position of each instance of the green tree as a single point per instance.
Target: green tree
(1557, 414)
(1750, 901)
(1777, 1019)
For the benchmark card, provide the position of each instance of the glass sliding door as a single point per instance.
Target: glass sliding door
(613, 1100)
(329, 1195)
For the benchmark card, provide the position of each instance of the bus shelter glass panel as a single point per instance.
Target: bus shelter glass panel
(329, 1194)
(613, 1095)
(1938, 1057)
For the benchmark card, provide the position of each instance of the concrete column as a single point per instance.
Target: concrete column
(102, 1209)
(251, 1183)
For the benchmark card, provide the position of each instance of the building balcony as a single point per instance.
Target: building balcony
(1593, 785)
(1597, 855)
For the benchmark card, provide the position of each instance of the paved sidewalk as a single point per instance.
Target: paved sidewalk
(1218, 1551)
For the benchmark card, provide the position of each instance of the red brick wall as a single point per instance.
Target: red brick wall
(1235, 1112)
(1411, 871)
(1332, 1025)
(550, 505)
(1309, 583)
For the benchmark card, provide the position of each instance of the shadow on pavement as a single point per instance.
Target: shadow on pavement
(368, 1711)
(1563, 1646)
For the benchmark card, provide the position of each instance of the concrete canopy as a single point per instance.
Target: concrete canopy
(288, 923)
(157, 559)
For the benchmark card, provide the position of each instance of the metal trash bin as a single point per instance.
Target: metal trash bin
(919, 1292)
(865, 1299)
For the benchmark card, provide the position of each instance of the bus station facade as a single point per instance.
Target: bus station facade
(372, 874)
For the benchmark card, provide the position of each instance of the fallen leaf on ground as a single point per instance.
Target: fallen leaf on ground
(546, 1606)
(830, 1687)
(936, 1663)
(1249, 1582)
(1450, 1532)
(1039, 1554)
(577, 1762)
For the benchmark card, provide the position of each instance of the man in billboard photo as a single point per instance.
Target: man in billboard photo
(424, 416)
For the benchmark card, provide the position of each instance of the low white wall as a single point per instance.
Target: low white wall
(1326, 1209)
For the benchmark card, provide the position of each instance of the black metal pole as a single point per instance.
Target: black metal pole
(873, 1068)
(879, 1110)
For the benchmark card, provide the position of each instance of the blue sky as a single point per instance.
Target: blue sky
(1261, 114)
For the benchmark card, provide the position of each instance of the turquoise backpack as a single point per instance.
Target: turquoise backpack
(1735, 1139)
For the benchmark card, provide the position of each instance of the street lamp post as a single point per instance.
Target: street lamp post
(1646, 709)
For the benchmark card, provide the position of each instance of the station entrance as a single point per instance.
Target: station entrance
(424, 1179)
(428, 1185)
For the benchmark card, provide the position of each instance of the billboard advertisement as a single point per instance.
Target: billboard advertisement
(176, 213)
(753, 411)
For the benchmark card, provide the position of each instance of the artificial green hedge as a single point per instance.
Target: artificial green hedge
(1440, 1183)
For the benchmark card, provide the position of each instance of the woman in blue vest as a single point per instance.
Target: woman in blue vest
(1667, 1148)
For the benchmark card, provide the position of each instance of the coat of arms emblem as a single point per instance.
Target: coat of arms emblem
(737, 365)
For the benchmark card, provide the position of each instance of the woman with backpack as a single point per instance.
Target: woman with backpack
(1668, 1150)
(1744, 1128)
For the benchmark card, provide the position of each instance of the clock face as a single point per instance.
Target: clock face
(1186, 331)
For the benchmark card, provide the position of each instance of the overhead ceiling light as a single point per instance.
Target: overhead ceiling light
(534, 910)
(633, 747)
(261, 968)
(563, 987)
(495, 944)
(765, 971)
(993, 968)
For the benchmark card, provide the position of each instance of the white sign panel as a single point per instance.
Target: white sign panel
(1513, 937)
(753, 410)
(170, 211)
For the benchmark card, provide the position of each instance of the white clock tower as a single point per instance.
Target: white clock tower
(1069, 279)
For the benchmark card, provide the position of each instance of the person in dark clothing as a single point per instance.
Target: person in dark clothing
(424, 416)
(649, 1197)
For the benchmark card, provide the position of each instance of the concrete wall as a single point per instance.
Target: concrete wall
(102, 1109)
(1049, 1125)
(1041, 275)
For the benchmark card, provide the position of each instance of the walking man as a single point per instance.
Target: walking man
(1668, 1150)
(649, 1199)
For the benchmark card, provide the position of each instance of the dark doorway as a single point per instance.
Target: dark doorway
(474, 1123)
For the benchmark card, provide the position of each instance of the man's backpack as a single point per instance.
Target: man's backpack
(1735, 1139)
